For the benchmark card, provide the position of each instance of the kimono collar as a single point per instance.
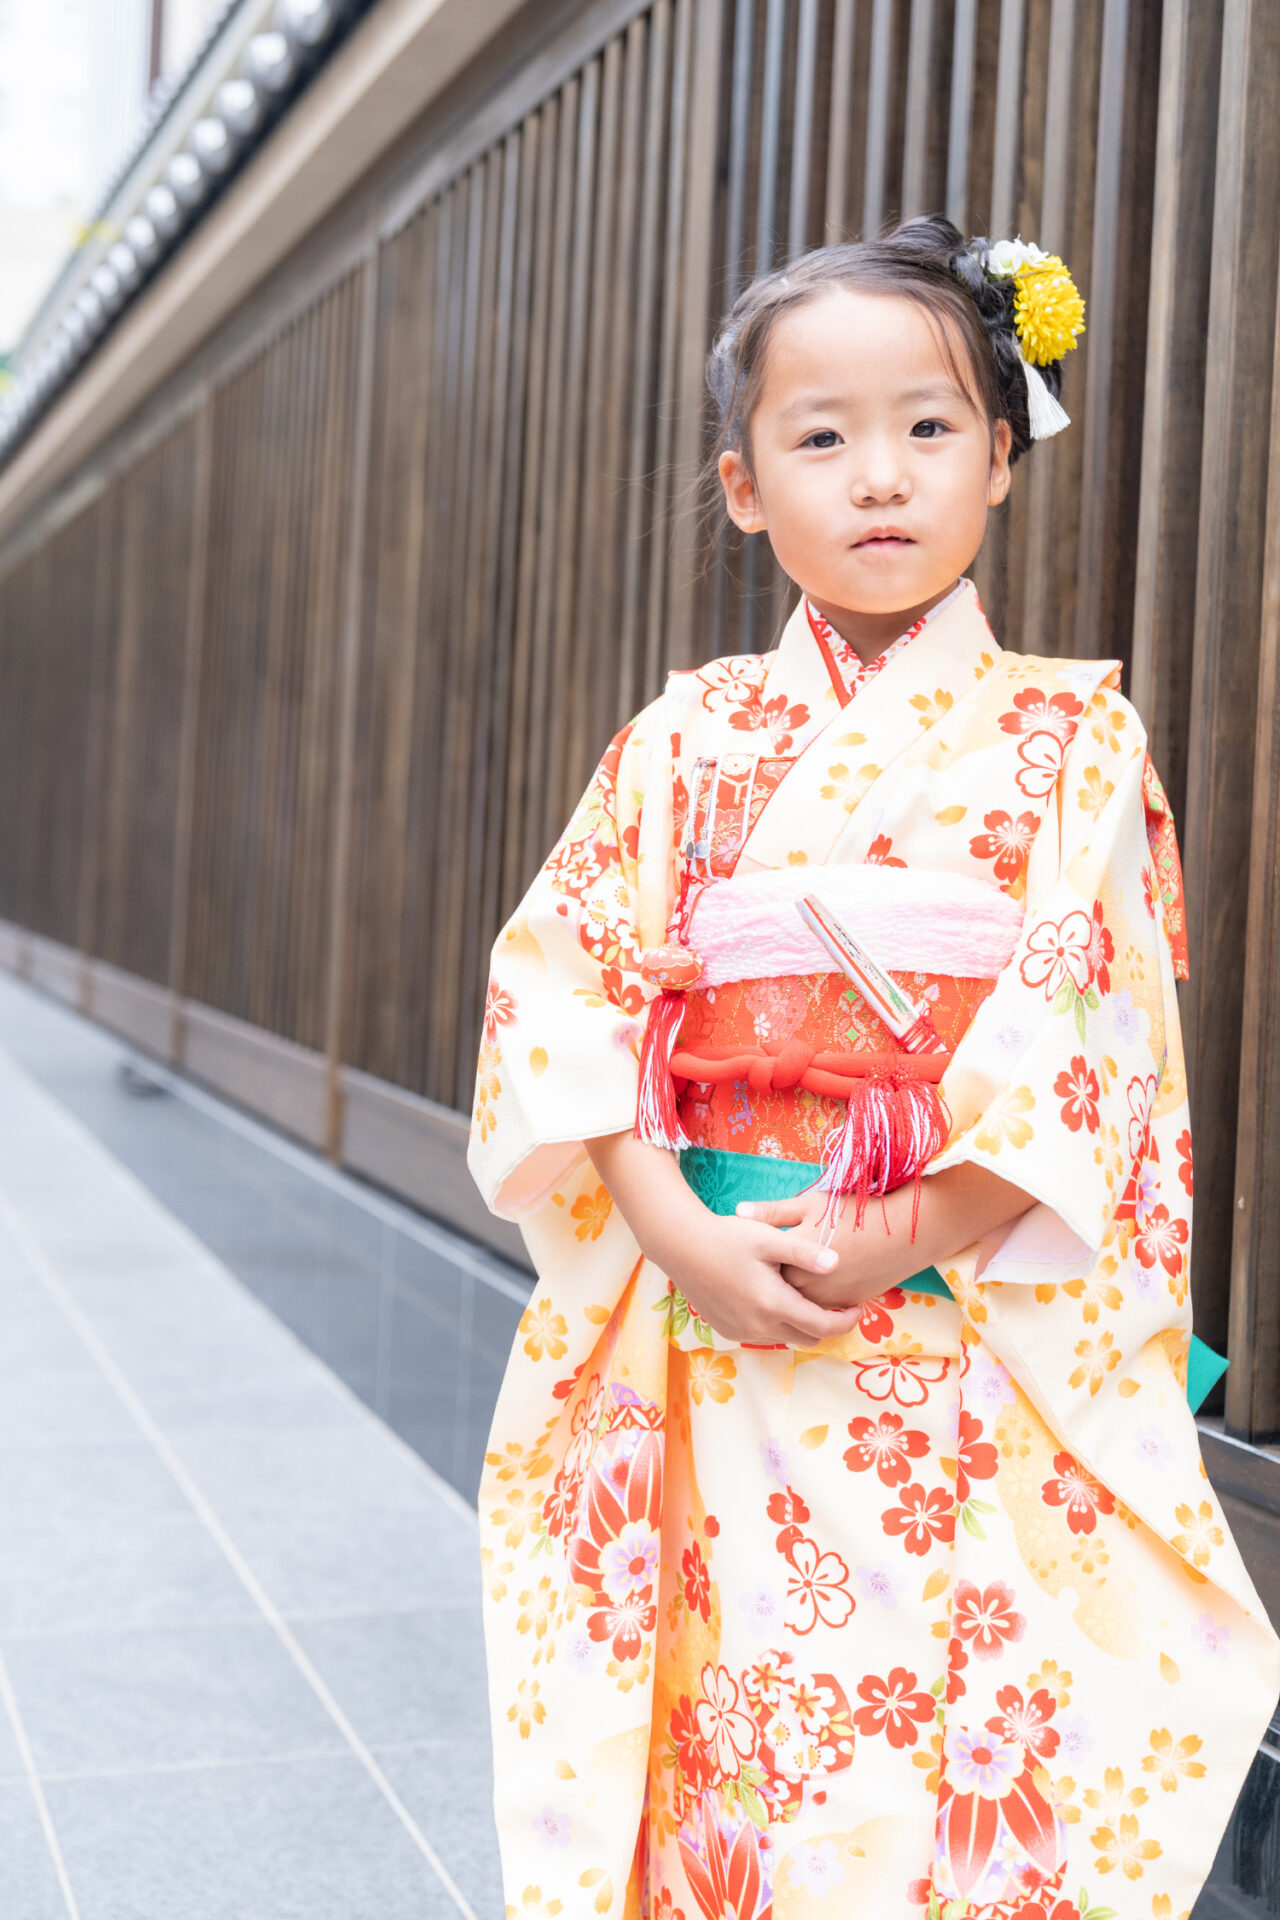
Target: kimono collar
(847, 670)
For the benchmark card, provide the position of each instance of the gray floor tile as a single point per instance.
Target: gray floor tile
(29, 1887)
(448, 1788)
(120, 1571)
(93, 1702)
(277, 1395)
(342, 1462)
(73, 1486)
(59, 1408)
(362, 1558)
(403, 1677)
(304, 1840)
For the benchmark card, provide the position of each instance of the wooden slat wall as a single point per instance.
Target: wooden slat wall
(293, 704)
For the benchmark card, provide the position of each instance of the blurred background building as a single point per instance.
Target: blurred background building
(76, 80)
(343, 486)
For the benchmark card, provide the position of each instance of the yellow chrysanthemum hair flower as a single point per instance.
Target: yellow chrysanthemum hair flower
(1048, 312)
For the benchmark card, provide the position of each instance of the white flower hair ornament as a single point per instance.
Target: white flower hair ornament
(1048, 317)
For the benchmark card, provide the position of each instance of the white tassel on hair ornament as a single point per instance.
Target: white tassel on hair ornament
(1048, 317)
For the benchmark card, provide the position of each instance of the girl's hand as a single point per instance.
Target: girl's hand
(729, 1272)
(957, 1207)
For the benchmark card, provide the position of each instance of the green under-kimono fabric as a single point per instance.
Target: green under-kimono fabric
(722, 1180)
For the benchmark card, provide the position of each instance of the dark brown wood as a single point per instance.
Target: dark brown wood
(1173, 410)
(1229, 597)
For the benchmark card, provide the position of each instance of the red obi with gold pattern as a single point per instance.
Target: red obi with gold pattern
(791, 1122)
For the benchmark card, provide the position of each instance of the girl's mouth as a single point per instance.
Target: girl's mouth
(883, 542)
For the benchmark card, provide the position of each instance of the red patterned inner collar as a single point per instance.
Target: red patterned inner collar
(848, 670)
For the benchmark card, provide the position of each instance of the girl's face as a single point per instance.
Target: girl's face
(871, 470)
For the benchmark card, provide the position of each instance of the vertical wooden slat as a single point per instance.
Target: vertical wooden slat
(802, 127)
(960, 121)
(1229, 566)
(1008, 115)
(1253, 1380)
(189, 718)
(879, 81)
(921, 110)
(1173, 411)
(770, 134)
(339, 956)
(838, 136)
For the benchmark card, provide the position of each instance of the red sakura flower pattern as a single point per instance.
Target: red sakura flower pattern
(922, 1518)
(1186, 1173)
(985, 1617)
(976, 1458)
(697, 1581)
(876, 1323)
(1034, 710)
(818, 1589)
(880, 853)
(691, 1755)
(1058, 950)
(625, 1623)
(906, 1381)
(499, 1010)
(1027, 1721)
(1162, 1238)
(887, 1445)
(1102, 949)
(1078, 1091)
(896, 1707)
(1007, 841)
(1075, 1489)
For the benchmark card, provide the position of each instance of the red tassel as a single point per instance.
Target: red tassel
(893, 1126)
(657, 1119)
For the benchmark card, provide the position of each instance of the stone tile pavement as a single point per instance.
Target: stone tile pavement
(241, 1672)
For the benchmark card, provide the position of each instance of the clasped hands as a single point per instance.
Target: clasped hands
(762, 1277)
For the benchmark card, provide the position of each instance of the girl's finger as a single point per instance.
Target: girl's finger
(773, 1213)
(818, 1323)
(796, 1250)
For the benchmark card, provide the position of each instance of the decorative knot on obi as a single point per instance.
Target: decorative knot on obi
(781, 1064)
(852, 920)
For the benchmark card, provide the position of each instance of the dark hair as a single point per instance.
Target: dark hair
(925, 260)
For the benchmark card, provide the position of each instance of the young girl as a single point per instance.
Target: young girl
(852, 1556)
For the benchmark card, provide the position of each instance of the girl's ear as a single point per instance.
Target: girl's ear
(742, 502)
(998, 483)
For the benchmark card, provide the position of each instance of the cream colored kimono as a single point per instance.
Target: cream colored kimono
(943, 1617)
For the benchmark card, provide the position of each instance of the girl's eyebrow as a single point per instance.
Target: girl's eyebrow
(826, 402)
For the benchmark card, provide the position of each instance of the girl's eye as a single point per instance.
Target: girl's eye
(929, 429)
(822, 438)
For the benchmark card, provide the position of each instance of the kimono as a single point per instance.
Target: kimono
(941, 1617)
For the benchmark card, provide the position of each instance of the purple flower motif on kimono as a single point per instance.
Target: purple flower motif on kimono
(980, 1762)
(1211, 1636)
(554, 1828)
(816, 1868)
(580, 1650)
(988, 1384)
(763, 1609)
(1126, 1020)
(1012, 1040)
(630, 1562)
(1154, 1449)
(1075, 1736)
(626, 1035)
(877, 1583)
(773, 1459)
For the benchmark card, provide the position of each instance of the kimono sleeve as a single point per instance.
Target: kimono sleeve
(1057, 1082)
(559, 1056)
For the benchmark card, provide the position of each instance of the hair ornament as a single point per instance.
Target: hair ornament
(1048, 316)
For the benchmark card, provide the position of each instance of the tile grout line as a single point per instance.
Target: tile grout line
(37, 1791)
(54, 1284)
(207, 1259)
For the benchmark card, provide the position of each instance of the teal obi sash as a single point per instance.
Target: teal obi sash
(721, 1180)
